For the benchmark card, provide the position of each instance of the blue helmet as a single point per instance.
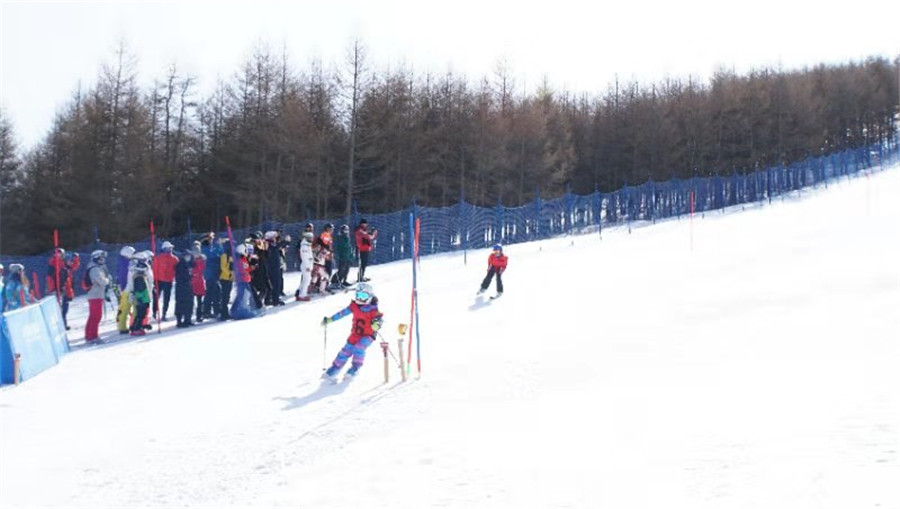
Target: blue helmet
(498, 247)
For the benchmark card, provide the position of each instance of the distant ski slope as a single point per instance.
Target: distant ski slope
(755, 366)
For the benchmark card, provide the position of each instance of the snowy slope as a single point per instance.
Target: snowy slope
(753, 366)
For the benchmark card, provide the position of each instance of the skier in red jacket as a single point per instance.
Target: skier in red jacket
(366, 321)
(496, 266)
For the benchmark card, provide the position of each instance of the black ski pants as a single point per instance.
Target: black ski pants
(487, 280)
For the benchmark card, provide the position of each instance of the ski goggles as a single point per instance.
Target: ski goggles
(362, 295)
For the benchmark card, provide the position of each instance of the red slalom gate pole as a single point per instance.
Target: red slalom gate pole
(416, 262)
(412, 293)
(155, 282)
(37, 288)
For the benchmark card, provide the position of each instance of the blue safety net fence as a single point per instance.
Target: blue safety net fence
(465, 226)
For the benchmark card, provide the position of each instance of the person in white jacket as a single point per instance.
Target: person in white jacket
(99, 278)
(306, 266)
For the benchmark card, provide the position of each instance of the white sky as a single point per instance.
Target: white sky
(48, 47)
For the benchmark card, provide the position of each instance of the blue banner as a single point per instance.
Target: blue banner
(27, 335)
(56, 328)
(6, 359)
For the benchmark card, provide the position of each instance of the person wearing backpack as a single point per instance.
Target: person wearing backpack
(96, 280)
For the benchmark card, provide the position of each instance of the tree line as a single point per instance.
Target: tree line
(280, 143)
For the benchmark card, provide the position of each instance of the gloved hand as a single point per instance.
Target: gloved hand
(326, 320)
(376, 323)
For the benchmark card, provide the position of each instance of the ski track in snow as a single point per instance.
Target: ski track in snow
(757, 368)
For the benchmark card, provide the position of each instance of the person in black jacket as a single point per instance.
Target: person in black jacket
(184, 294)
(259, 269)
(274, 261)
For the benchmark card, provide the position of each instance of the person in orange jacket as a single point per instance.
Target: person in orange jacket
(66, 276)
(55, 265)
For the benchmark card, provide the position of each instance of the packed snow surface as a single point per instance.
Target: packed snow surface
(747, 358)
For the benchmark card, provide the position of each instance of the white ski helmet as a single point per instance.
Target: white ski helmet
(98, 256)
(127, 252)
(167, 246)
(364, 293)
(141, 257)
(241, 249)
(16, 268)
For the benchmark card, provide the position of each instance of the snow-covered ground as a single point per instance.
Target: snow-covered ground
(755, 365)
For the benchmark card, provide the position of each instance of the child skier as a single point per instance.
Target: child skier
(122, 269)
(247, 303)
(366, 321)
(15, 288)
(198, 279)
(306, 264)
(139, 288)
(320, 277)
(496, 265)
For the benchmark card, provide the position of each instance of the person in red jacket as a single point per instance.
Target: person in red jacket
(364, 240)
(198, 282)
(366, 322)
(496, 266)
(55, 265)
(164, 272)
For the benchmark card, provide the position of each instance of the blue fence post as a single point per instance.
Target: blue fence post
(463, 226)
(498, 235)
(625, 191)
(415, 215)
